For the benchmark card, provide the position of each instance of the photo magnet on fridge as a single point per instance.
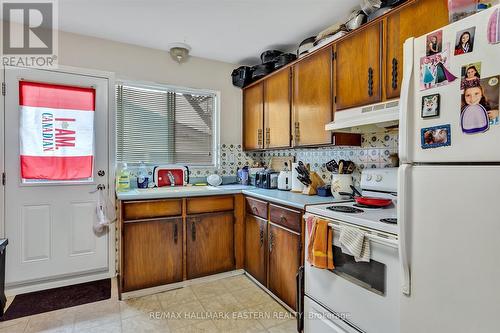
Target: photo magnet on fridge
(434, 70)
(471, 75)
(434, 42)
(436, 136)
(493, 32)
(430, 105)
(480, 105)
(464, 42)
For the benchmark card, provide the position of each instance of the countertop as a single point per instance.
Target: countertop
(286, 198)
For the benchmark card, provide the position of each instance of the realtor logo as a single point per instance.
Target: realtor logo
(29, 33)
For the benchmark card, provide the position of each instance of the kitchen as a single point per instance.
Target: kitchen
(179, 182)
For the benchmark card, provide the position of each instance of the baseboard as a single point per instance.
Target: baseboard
(36, 286)
(177, 285)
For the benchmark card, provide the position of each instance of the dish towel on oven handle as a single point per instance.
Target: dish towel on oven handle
(105, 212)
(355, 243)
(320, 247)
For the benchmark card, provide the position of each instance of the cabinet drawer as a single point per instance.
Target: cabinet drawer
(256, 207)
(210, 204)
(148, 209)
(285, 217)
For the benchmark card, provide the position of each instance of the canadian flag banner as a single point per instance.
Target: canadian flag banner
(56, 131)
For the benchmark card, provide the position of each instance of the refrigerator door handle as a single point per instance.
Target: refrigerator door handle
(403, 222)
(405, 109)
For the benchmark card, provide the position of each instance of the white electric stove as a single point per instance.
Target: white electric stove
(357, 296)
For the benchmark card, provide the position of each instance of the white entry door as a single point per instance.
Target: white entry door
(49, 223)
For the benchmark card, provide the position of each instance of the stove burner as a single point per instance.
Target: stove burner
(390, 220)
(366, 206)
(345, 209)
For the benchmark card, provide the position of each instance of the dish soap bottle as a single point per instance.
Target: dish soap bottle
(142, 176)
(123, 179)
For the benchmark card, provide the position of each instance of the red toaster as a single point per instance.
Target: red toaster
(180, 173)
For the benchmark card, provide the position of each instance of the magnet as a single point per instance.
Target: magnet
(471, 75)
(485, 94)
(436, 136)
(464, 42)
(493, 32)
(434, 70)
(434, 42)
(430, 105)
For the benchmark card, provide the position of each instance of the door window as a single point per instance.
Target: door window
(56, 132)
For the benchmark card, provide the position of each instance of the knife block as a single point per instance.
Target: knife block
(316, 182)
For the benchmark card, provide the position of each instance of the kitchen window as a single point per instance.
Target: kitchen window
(164, 124)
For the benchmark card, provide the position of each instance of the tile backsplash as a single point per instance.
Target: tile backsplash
(374, 152)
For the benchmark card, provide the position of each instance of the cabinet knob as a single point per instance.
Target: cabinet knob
(261, 235)
(176, 232)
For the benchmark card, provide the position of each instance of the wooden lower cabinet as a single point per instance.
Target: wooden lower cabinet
(255, 248)
(284, 262)
(152, 251)
(210, 244)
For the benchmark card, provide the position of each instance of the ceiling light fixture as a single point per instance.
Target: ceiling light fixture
(179, 52)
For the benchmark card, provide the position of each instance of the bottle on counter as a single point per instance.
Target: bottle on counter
(142, 176)
(123, 179)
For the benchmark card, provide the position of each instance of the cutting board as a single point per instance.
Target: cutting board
(278, 163)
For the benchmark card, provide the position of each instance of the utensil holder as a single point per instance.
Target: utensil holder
(341, 183)
(316, 182)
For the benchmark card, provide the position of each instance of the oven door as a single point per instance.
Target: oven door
(366, 295)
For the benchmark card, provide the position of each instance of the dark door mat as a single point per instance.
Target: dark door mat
(57, 298)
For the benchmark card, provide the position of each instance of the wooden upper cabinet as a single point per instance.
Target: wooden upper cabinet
(277, 106)
(312, 99)
(414, 20)
(358, 68)
(253, 117)
(152, 251)
(210, 244)
(255, 248)
(284, 262)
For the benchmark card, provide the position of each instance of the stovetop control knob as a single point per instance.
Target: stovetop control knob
(378, 178)
(368, 177)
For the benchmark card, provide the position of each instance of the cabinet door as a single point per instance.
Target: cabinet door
(152, 253)
(277, 104)
(358, 68)
(411, 21)
(312, 99)
(210, 244)
(284, 262)
(255, 247)
(253, 117)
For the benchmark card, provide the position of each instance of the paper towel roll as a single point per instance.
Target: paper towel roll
(297, 186)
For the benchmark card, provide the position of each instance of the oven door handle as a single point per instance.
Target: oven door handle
(371, 237)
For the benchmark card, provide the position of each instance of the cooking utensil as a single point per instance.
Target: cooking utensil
(341, 167)
(305, 45)
(367, 201)
(332, 166)
(284, 59)
(241, 76)
(350, 167)
(259, 71)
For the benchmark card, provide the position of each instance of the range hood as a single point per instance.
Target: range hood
(366, 119)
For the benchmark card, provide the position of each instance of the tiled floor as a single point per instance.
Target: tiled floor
(233, 304)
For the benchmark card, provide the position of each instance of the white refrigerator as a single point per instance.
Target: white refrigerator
(449, 179)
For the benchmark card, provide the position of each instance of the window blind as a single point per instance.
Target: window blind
(164, 125)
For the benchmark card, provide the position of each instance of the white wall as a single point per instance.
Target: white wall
(131, 62)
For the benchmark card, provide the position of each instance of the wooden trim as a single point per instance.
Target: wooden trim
(350, 33)
(184, 240)
(239, 230)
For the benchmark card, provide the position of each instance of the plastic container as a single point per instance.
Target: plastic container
(123, 179)
(324, 191)
(142, 176)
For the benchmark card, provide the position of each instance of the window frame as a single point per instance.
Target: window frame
(179, 89)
